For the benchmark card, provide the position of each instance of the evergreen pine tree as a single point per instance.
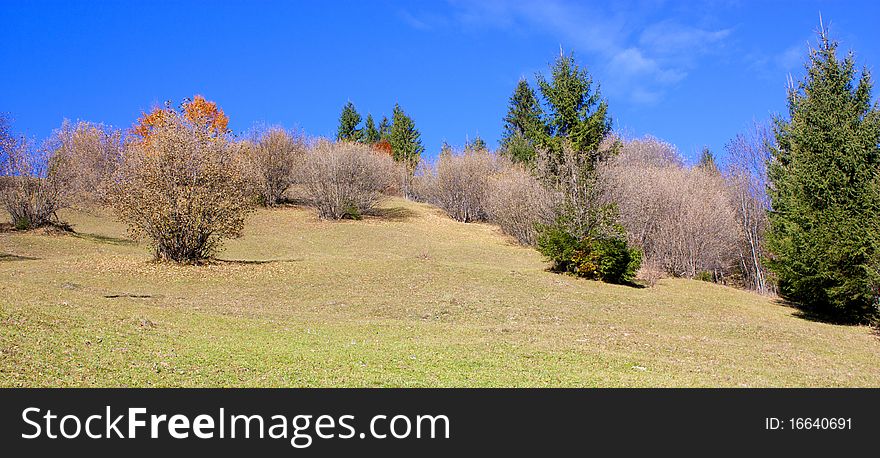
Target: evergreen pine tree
(585, 233)
(406, 141)
(384, 128)
(575, 112)
(370, 134)
(523, 127)
(349, 120)
(825, 196)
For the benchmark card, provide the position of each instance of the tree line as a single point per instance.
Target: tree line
(791, 207)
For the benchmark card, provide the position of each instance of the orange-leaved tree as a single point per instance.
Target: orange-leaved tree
(200, 112)
(383, 146)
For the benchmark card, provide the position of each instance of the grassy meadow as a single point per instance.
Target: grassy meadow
(408, 298)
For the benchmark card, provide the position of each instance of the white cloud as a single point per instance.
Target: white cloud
(792, 58)
(641, 59)
(670, 38)
(631, 63)
(413, 21)
(773, 65)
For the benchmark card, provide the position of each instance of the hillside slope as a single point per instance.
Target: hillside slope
(410, 298)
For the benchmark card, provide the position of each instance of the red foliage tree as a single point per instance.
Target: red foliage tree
(383, 146)
(198, 111)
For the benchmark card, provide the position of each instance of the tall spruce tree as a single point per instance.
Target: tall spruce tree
(349, 120)
(575, 112)
(825, 195)
(585, 239)
(384, 128)
(523, 128)
(370, 134)
(405, 139)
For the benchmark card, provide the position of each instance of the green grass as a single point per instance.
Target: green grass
(410, 298)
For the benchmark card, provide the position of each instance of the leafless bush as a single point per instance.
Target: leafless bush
(648, 152)
(517, 201)
(7, 142)
(459, 184)
(746, 174)
(33, 190)
(90, 154)
(345, 180)
(650, 272)
(270, 159)
(573, 177)
(680, 217)
(422, 182)
(182, 191)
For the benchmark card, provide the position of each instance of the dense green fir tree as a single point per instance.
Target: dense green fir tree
(585, 239)
(370, 134)
(405, 139)
(575, 112)
(349, 120)
(524, 129)
(519, 148)
(384, 128)
(825, 196)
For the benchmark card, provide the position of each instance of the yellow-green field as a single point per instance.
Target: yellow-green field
(410, 298)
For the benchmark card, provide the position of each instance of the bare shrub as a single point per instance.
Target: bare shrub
(585, 238)
(477, 185)
(517, 202)
(459, 184)
(345, 180)
(680, 217)
(270, 159)
(33, 191)
(90, 154)
(746, 174)
(32, 188)
(422, 182)
(7, 141)
(573, 177)
(650, 272)
(181, 191)
(648, 151)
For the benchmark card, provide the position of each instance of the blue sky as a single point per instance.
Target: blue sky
(692, 73)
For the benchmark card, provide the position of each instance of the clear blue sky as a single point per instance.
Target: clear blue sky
(692, 73)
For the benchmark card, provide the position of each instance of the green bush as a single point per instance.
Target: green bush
(705, 275)
(605, 258)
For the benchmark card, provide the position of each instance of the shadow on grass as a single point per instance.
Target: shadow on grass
(396, 214)
(246, 262)
(631, 284)
(15, 257)
(293, 202)
(103, 239)
(63, 228)
(50, 228)
(817, 316)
